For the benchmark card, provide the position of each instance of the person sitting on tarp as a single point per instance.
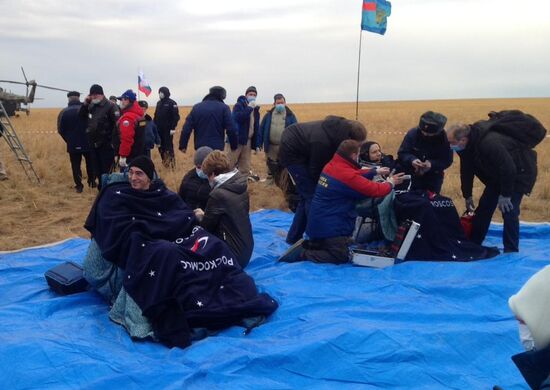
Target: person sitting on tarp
(165, 276)
(194, 187)
(371, 156)
(425, 153)
(331, 219)
(227, 211)
(531, 306)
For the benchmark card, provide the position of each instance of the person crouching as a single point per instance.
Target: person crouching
(227, 208)
(332, 215)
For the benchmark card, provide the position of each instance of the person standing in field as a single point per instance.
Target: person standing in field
(425, 153)
(210, 120)
(304, 151)
(102, 117)
(166, 118)
(246, 114)
(279, 117)
(500, 153)
(71, 126)
(131, 129)
(152, 136)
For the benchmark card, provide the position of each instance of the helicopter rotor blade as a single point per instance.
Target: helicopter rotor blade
(13, 82)
(54, 88)
(24, 75)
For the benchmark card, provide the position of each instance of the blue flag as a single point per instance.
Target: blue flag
(375, 15)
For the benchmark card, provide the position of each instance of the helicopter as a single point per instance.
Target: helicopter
(13, 103)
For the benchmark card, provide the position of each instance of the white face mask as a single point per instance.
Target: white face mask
(526, 337)
(251, 99)
(123, 104)
(161, 95)
(96, 101)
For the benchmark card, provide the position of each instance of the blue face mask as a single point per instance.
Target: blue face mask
(251, 99)
(201, 174)
(457, 148)
(280, 107)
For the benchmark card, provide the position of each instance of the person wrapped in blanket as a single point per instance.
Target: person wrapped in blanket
(332, 215)
(531, 306)
(166, 277)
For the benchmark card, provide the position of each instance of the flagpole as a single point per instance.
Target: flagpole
(358, 75)
(139, 96)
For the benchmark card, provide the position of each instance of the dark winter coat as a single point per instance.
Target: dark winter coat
(102, 119)
(436, 149)
(152, 136)
(72, 128)
(313, 143)
(210, 119)
(265, 127)
(499, 161)
(535, 367)
(194, 191)
(241, 117)
(166, 113)
(226, 216)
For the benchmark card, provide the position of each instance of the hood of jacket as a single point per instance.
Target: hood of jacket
(233, 182)
(134, 108)
(242, 100)
(165, 91)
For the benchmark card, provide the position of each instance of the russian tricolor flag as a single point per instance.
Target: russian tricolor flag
(375, 14)
(143, 84)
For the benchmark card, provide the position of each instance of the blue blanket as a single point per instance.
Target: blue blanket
(422, 325)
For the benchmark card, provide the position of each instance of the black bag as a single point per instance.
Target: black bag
(66, 278)
(522, 127)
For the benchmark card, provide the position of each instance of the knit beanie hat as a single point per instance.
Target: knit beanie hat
(200, 154)
(96, 90)
(251, 89)
(145, 164)
(278, 96)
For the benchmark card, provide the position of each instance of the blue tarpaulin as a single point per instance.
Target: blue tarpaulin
(417, 325)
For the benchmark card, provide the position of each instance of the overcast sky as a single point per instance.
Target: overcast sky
(306, 49)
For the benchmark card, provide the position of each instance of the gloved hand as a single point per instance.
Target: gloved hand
(383, 171)
(395, 179)
(505, 204)
(122, 162)
(172, 132)
(469, 202)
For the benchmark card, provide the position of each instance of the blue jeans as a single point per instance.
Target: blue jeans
(484, 212)
(305, 186)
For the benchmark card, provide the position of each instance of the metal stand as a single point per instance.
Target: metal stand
(9, 134)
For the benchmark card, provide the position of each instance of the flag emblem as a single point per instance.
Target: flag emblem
(375, 16)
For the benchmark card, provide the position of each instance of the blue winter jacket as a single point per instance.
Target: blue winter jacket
(241, 116)
(72, 128)
(152, 136)
(342, 183)
(265, 126)
(210, 119)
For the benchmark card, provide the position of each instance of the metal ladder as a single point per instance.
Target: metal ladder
(9, 134)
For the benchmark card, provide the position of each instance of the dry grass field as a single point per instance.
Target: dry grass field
(32, 215)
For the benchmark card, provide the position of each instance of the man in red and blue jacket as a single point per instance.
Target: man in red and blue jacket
(332, 215)
(130, 139)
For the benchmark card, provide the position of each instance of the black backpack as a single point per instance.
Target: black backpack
(522, 127)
